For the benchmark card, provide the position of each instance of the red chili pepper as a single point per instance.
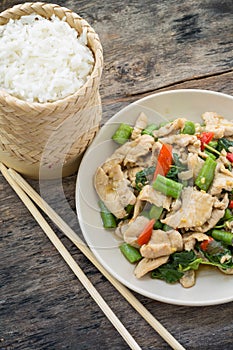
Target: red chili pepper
(164, 161)
(230, 205)
(230, 157)
(204, 244)
(145, 236)
(205, 138)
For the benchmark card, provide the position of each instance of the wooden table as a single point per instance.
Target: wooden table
(149, 46)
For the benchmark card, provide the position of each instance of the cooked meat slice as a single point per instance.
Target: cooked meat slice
(149, 194)
(155, 152)
(133, 151)
(162, 243)
(218, 125)
(146, 265)
(121, 228)
(138, 207)
(141, 123)
(134, 229)
(188, 280)
(181, 140)
(223, 180)
(185, 175)
(113, 189)
(218, 212)
(170, 128)
(138, 149)
(190, 239)
(195, 163)
(196, 209)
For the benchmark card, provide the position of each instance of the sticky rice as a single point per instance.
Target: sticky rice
(43, 60)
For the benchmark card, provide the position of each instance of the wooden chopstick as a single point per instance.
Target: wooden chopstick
(69, 260)
(66, 229)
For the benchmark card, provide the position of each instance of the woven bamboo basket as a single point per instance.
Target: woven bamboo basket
(47, 140)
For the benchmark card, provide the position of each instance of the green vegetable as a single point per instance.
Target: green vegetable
(122, 134)
(108, 219)
(176, 168)
(180, 262)
(228, 215)
(142, 177)
(167, 186)
(155, 212)
(214, 253)
(158, 225)
(149, 129)
(132, 254)
(189, 128)
(224, 143)
(211, 149)
(213, 144)
(206, 174)
(211, 155)
(174, 269)
(223, 236)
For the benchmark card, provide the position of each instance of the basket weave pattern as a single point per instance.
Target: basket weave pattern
(58, 131)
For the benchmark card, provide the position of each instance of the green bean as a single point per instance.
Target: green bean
(213, 144)
(223, 236)
(167, 186)
(108, 219)
(155, 212)
(158, 225)
(132, 254)
(189, 128)
(122, 134)
(206, 174)
(209, 154)
(149, 129)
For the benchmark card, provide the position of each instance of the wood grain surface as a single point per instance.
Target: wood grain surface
(149, 46)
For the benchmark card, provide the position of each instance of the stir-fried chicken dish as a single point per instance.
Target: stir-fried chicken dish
(167, 192)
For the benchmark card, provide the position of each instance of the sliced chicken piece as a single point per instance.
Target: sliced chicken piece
(114, 190)
(121, 228)
(133, 152)
(190, 239)
(223, 180)
(138, 207)
(196, 209)
(188, 280)
(218, 212)
(218, 125)
(141, 123)
(134, 229)
(195, 163)
(181, 140)
(138, 149)
(162, 243)
(149, 194)
(146, 265)
(170, 128)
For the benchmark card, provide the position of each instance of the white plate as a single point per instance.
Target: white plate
(212, 286)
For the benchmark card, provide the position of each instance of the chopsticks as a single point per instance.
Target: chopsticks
(69, 260)
(24, 191)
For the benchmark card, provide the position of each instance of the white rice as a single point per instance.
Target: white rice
(43, 60)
